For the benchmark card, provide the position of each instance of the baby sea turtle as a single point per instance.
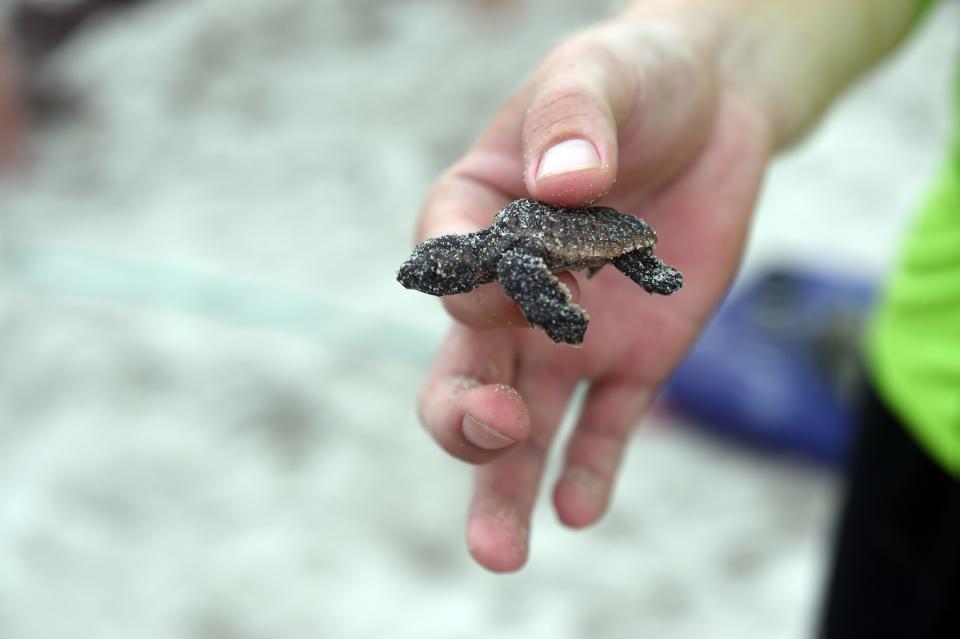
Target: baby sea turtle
(527, 242)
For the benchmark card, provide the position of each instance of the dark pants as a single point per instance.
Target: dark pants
(896, 569)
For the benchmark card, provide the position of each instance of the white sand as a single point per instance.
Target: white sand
(208, 371)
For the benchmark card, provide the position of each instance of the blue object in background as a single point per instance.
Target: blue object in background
(779, 364)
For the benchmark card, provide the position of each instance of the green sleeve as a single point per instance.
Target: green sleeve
(914, 345)
(924, 5)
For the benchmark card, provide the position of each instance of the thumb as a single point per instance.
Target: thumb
(621, 100)
(569, 131)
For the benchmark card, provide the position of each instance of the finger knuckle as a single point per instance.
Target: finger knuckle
(560, 110)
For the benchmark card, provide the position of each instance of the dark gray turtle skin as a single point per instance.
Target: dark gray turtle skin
(526, 244)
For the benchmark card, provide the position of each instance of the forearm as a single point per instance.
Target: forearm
(791, 58)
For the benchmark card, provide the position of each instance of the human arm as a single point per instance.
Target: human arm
(675, 108)
(791, 58)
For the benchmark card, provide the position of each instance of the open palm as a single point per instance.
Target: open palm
(691, 164)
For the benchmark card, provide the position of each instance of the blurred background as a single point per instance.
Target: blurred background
(208, 372)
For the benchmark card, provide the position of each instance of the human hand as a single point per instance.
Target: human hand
(645, 125)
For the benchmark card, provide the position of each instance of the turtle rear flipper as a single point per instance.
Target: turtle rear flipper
(543, 298)
(647, 270)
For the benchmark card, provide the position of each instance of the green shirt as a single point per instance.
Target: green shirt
(914, 345)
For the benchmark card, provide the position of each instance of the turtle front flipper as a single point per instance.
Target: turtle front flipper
(543, 298)
(646, 269)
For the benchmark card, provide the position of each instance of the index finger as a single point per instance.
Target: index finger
(465, 199)
(469, 194)
(461, 203)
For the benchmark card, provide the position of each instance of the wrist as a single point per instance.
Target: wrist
(720, 40)
(789, 59)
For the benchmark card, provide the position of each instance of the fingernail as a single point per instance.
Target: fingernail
(568, 156)
(482, 436)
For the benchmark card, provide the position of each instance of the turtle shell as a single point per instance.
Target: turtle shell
(574, 238)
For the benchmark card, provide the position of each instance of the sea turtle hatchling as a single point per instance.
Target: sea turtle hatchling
(527, 242)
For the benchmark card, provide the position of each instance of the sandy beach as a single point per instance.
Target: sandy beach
(207, 423)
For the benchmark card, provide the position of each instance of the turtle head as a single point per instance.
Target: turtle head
(448, 265)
